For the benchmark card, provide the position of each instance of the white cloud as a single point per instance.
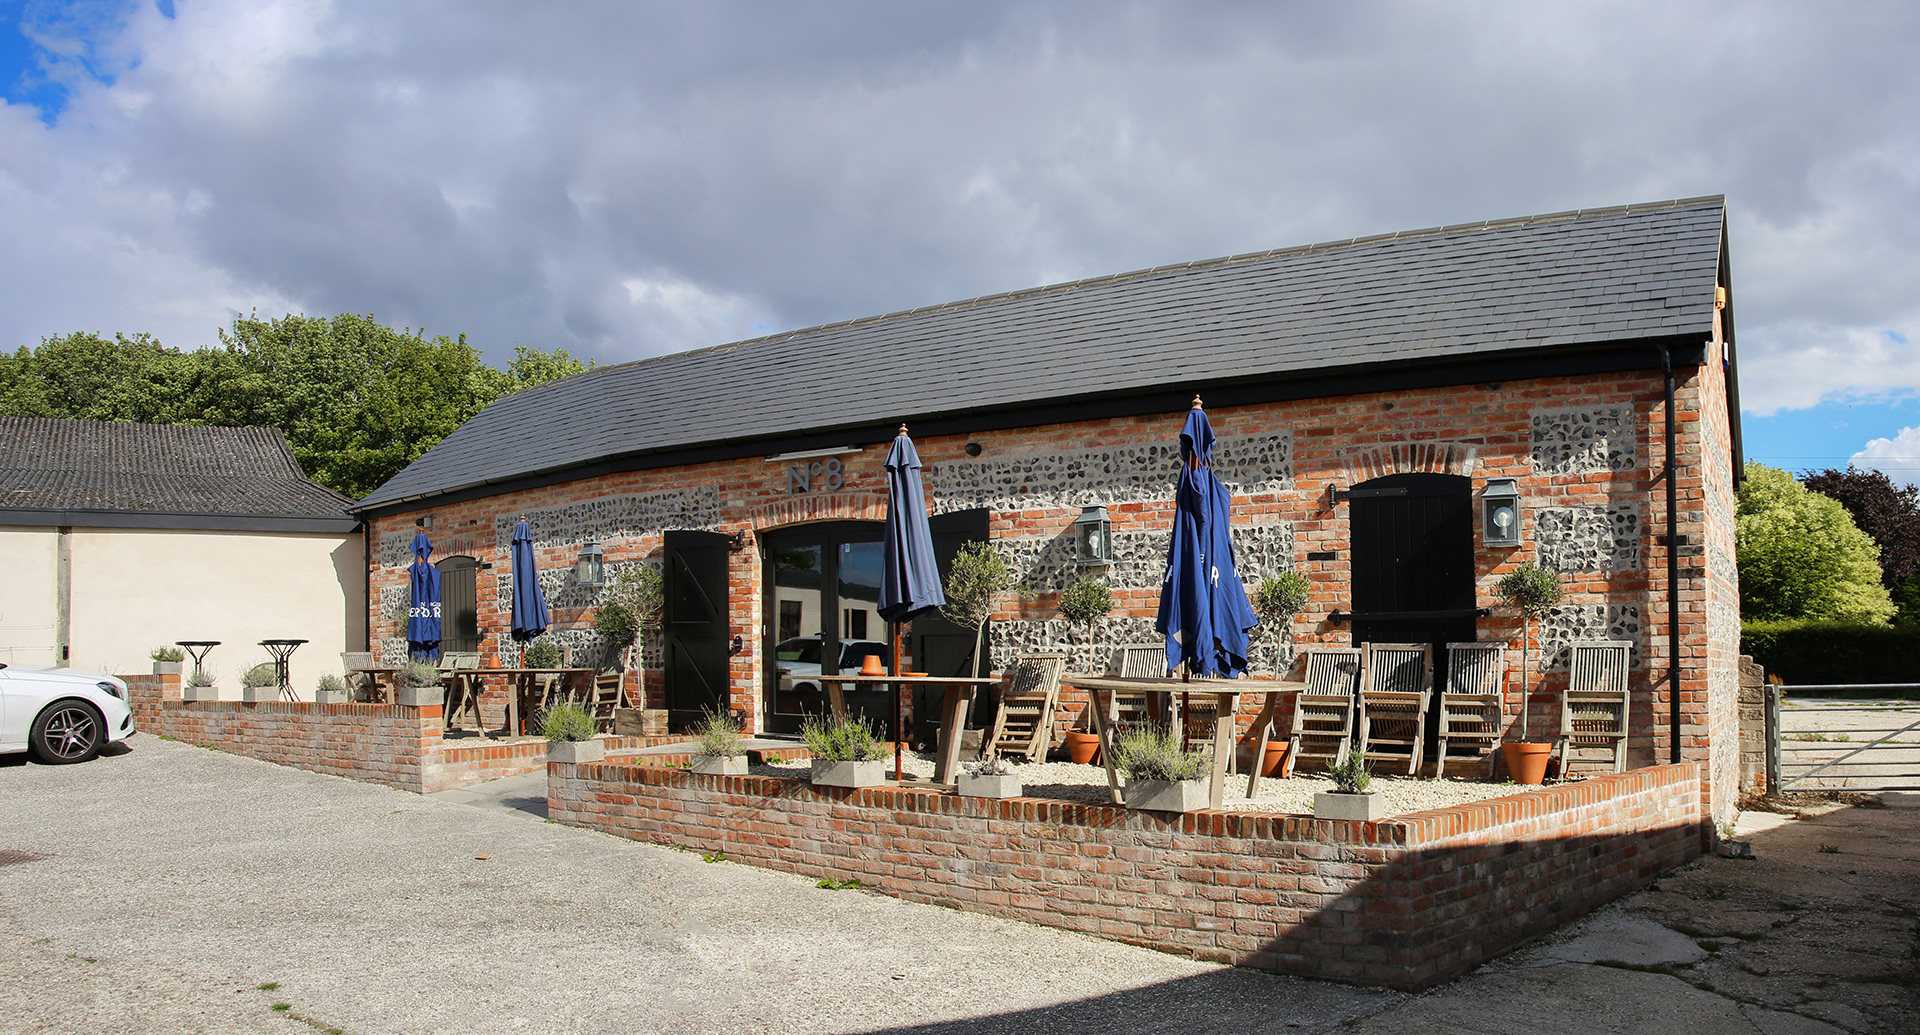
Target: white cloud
(623, 179)
(1897, 457)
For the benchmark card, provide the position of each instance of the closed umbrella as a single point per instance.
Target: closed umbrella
(1204, 612)
(910, 579)
(529, 607)
(423, 609)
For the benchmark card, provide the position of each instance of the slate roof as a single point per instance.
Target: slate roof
(1443, 295)
(245, 475)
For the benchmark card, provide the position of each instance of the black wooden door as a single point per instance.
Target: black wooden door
(459, 604)
(939, 646)
(695, 625)
(1412, 556)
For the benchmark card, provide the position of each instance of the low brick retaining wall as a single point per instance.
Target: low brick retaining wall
(1405, 902)
(393, 745)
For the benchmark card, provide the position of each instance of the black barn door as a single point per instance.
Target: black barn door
(1412, 561)
(695, 625)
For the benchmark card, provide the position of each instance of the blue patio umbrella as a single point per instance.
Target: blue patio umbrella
(1204, 612)
(423, 609)
(529, 607)
(910, 582)
(910, 575)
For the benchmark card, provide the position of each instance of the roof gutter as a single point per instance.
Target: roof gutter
(186, 521)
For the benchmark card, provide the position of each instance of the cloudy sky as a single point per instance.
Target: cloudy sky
(624, 178)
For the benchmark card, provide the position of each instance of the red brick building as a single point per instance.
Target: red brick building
(1365, 393)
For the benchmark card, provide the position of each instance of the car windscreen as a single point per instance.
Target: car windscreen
(851, 654)
(806, 652)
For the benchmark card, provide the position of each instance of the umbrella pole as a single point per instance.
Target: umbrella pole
(894, 627)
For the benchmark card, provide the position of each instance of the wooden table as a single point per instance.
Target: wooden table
(521, 686)
(1226, 694)
(956, 699)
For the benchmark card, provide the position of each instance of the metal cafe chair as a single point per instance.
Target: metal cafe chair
(1396, 681)
(1323, 712)
(1471, 706)
(1593, 711)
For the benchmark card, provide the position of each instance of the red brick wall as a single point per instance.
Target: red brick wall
(1405, 902)
(1477, 431)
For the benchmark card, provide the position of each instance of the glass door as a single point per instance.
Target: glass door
(822, 611)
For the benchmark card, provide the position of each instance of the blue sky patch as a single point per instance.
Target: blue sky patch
(1824, 436)
(48, 48)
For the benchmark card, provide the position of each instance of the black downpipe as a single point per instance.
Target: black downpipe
(366, 584)
(1673, 574)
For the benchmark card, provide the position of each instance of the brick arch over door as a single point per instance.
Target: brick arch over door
(1363, 464)
(796, 510)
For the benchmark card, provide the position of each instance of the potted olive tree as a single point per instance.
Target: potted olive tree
(1350, 800)
(630, 608)
(978, 573)
(167, 659)
(261, 682)
(717, 738)
(1162, 776)
(1532, 591)
(845, 752)
(569, 729)
(1087, 600)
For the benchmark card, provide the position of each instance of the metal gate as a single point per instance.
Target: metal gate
(1834, 751)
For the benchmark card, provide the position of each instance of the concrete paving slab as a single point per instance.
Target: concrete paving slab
(1611, 936)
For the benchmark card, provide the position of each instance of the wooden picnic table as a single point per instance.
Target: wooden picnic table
(1226, 694)
(956, 699)
(523, 683)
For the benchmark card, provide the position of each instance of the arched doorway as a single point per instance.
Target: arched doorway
(459, 604)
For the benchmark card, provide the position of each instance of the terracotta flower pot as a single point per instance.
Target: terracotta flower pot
(1082, 748)
(871, 665)
(1527, 763)
(1270, 762)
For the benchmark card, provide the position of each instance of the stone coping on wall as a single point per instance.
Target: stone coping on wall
(1403, 902)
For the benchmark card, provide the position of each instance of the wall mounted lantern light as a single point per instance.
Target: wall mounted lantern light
(591, 568)
(1092, 537)
(1500, 513)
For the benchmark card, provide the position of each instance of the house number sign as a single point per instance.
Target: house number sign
(820, 475)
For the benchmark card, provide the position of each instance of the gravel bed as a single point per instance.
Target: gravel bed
(1067, 781)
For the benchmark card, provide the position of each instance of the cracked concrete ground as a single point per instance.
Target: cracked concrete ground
(167, 887)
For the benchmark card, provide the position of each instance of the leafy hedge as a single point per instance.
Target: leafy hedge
(1810, 652)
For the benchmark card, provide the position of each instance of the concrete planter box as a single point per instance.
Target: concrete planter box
(720, 765)
(257, 694)
(167, 668)
(849, 774)
(420, 696)
(199, 693)
(1006, 786)
(330, 697)
(575, 752)
(1167, 795)
(1364, 808)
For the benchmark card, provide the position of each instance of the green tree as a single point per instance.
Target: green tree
(356, 399)
(1801, 555)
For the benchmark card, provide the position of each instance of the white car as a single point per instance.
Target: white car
(60, 715)
(798, 658)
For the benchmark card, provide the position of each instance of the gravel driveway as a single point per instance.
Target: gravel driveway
(174, 882)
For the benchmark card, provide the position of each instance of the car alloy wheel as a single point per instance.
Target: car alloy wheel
(67, 732)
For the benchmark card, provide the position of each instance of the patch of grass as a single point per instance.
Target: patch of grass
(846, 884)
(1827, 849)
(282, 1007)
(714, 857)
(268, 987)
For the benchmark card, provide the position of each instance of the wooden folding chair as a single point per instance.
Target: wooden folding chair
(1396, 680)
(359, 666)
(1471, 706)
(1024, 723)
(606, 698)
(462, 682)
(1323, 712)
(1593, 712)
